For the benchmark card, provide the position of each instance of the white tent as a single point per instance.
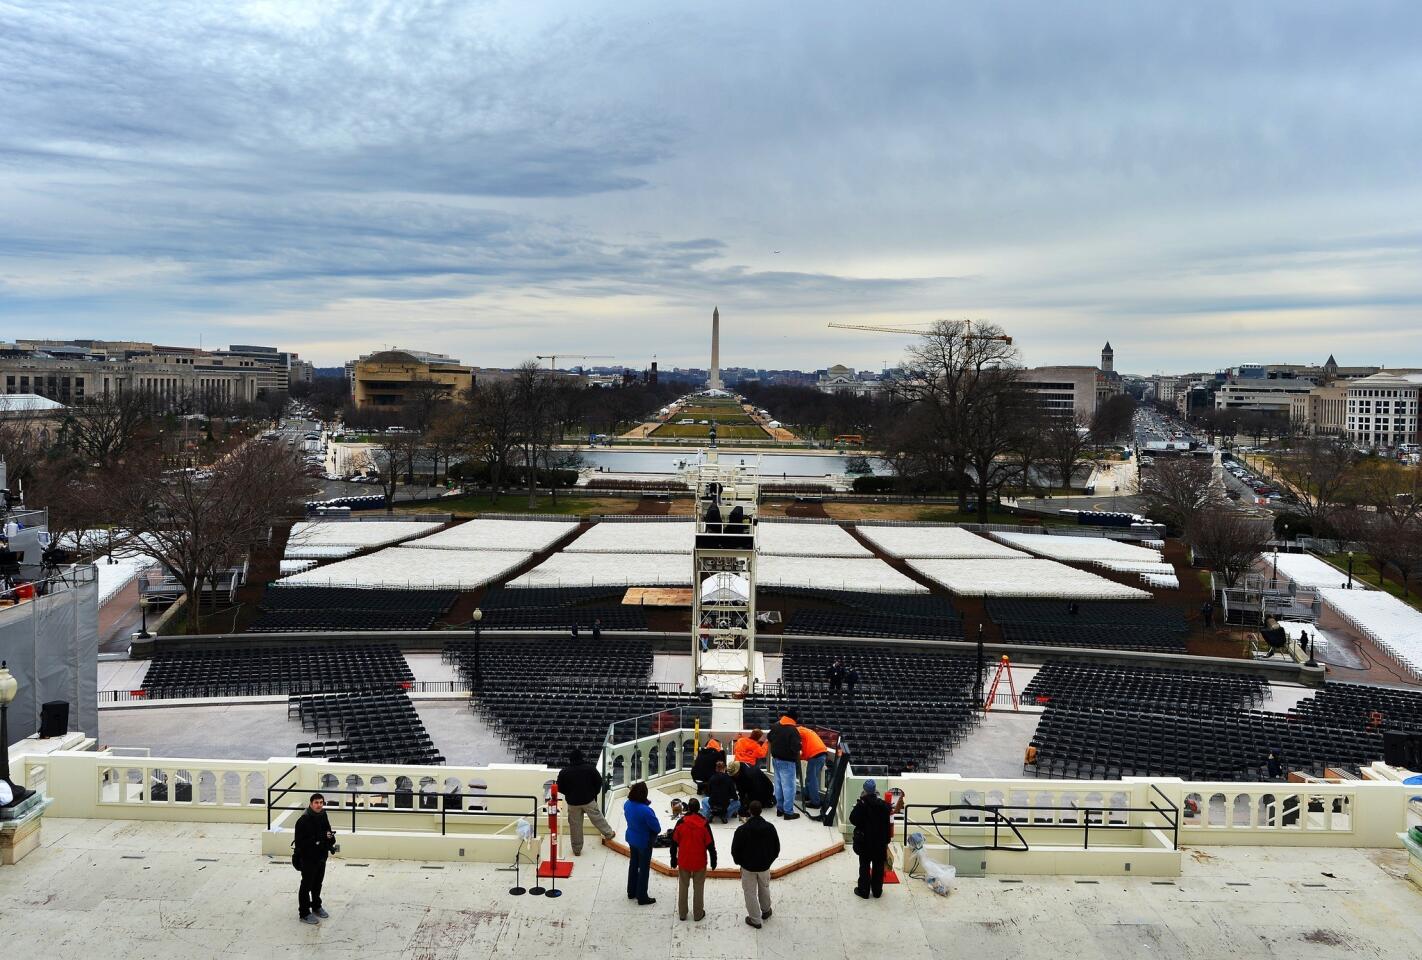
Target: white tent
(725, 588)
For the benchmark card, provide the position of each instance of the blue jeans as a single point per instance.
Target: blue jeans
(639, 868)
(814, 775)
(732, 808)
(784, 784)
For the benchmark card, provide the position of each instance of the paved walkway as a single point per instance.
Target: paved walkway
(158, 890)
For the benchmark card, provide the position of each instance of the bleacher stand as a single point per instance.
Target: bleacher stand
(558, 608)
(865, 614)
(908, 710)
(364, 727)
(1101, 624)
(1107, 722)
(315, 667)
(290, 609)
(545, 697)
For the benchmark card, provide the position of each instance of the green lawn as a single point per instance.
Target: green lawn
(723, 431)
(1365, 570)
(515, 502)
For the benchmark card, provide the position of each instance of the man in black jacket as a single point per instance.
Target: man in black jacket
(720, 792)
(705, 763)
(314, 842)
(785, 763)
(871, 818)
(580, 785)
(754, 848)
(751, 784)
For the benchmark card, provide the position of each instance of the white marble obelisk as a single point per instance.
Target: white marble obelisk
(714, 381)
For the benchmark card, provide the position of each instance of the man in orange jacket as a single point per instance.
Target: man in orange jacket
(751, 748)
(814, 752)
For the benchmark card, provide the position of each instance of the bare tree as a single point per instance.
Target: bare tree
(1390, 528)
(537, 420)
(198, 523)
(1318, 471)
(495, 435)
(424, 401)
(104, 428)
(76, 496)
(957, 381)
(1066, 442)
(1179, 490)
(392, 455)
(24, 442)
(1113, 419)
(1228, 541)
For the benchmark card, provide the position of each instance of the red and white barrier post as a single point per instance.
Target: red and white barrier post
(553, 867)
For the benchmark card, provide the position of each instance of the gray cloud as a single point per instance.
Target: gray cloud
(1136, 173)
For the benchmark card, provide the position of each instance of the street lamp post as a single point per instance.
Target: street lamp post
(478, 666)
(1350, 569)
(143, 633)
(9, 686)
(1274, 578)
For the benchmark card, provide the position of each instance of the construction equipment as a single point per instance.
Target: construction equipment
(552, 358)
(885, 328)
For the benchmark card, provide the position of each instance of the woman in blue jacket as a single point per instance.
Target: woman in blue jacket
(642, 827)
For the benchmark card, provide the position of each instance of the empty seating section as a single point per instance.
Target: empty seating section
(1077, 742)
(1088, 635)
(288, 609)
(545, 697)
(1092, 685)
(276, 670)
(871, 615)
(1123, 613)
(1109, 721)
(832, 623)
(502, 598)
(1105, 624)
(364, 727)
(558, 608)
(1353, 705)
(563, 618)
(908, 709)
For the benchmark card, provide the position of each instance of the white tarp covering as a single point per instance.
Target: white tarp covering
(320, 553)
(1023, 578)
(655, 536)
(599, 569)
(834, 573)
(945, 542)
(414, 569)
(529, 536)
(51, 645)
(807, 540)
(1393, 625)
(1078, 549)
(1306, 570)
(123, 570)
(360, 533)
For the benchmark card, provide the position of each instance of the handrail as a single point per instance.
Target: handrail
(1084, 823)
(441, 797)
(284, 792)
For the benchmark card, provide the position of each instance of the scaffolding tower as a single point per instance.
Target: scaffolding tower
(723, 575)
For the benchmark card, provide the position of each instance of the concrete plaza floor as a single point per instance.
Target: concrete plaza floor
(156, 890)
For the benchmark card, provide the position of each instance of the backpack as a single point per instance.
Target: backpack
(295, 856)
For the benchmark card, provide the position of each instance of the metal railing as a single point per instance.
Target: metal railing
(1018, 817)
(406, 801)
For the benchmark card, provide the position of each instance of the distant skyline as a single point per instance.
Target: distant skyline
(1201, 184)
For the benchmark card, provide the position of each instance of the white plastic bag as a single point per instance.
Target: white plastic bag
(940, 877)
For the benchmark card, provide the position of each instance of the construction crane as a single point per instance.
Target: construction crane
(884, 328)
(552, 358)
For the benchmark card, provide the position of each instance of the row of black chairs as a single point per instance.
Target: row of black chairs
(929, 606)
(367, 727)
(1103, 685)
(281, 597)
(834, 623)
(1099, 743)
(805, 668)
(1102, 613)
(315, 621)
(1364, 707)
(274, 670)
(563, 618)
(1145, 639)
(502, 598)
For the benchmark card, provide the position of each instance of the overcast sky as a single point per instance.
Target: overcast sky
(1201, 183)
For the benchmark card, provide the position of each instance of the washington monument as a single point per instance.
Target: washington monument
(713, 382)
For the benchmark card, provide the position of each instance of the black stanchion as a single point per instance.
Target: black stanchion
(517, 890)
(537, 891)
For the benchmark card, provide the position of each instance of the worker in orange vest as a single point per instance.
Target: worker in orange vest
(814, 752)
(751, 748)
